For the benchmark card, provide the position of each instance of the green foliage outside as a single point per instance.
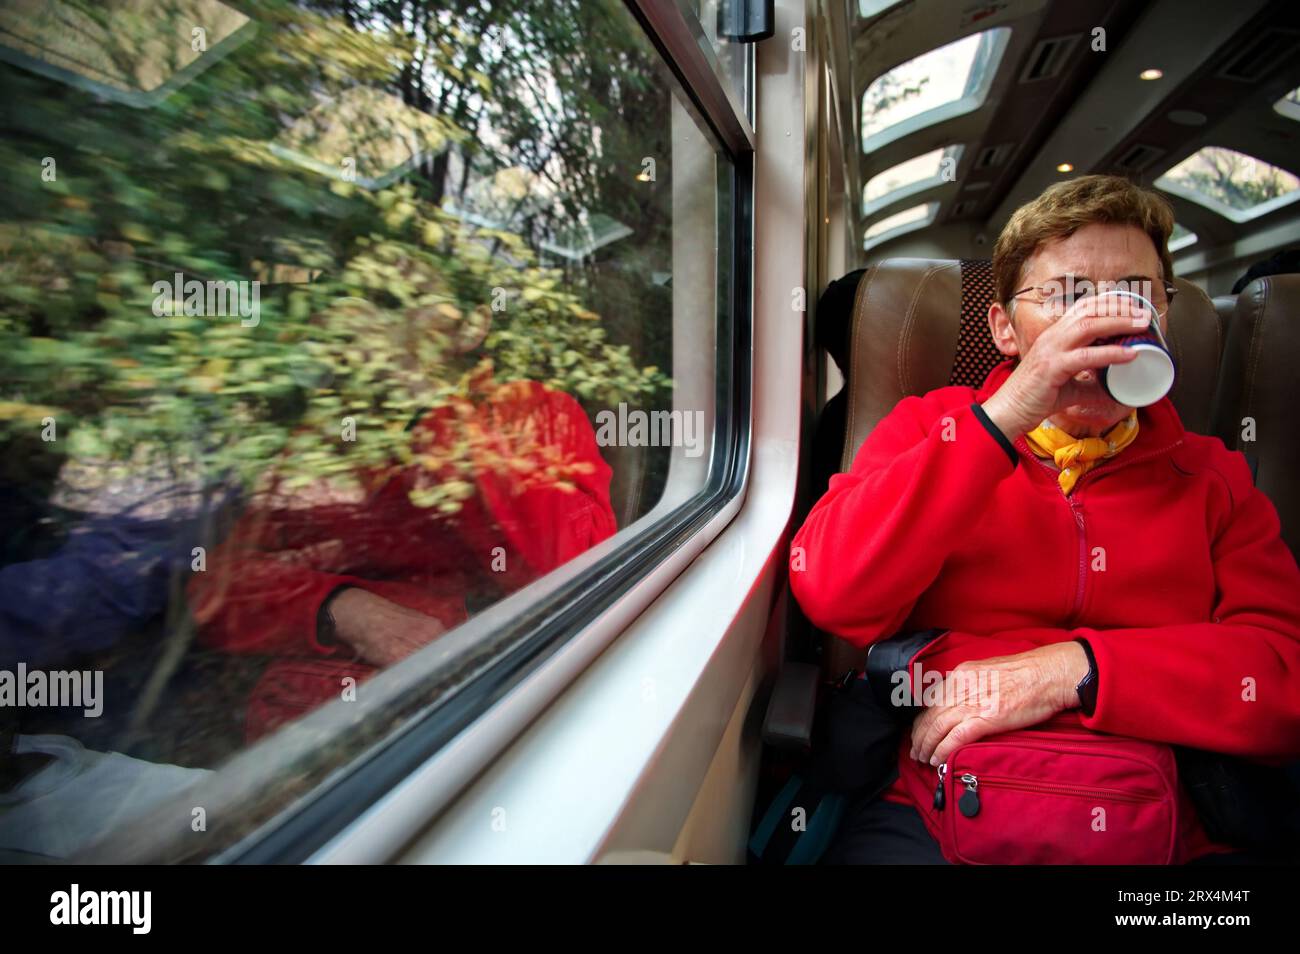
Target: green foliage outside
(1232, 178)
(369, 297)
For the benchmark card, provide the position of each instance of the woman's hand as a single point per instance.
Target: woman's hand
(986, 696)
(381, 631)
(1043, 382)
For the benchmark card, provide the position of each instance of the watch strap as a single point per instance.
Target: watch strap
(1087, 687)
(326, 626)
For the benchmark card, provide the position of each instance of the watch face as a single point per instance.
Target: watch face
(1087, 691)
(1087, 687)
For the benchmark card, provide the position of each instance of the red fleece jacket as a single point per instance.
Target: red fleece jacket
(1166, 558)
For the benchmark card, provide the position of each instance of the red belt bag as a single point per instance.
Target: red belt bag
(1052, 794)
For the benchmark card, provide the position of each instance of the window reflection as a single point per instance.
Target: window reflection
(305, 322)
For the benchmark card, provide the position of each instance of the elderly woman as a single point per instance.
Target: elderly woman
(1093, 564)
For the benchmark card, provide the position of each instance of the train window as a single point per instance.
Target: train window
(1289, 105)
(869, 8)
(917, 217)
(1181, 238)
(342, 379)
(942, 83)
(908, 178)
(1233, 184)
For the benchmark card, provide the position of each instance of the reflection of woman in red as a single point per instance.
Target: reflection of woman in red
(340, 589)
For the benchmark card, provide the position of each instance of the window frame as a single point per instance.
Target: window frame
(972, 101)
(923, 222)
(953, 151)
(877, 7)
(553, 618)
(1182, 241)
(1287, 107)
(1236, 216)
(136, 98)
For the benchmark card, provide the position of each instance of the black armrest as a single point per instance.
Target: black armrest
(892, 655)
(788, 723)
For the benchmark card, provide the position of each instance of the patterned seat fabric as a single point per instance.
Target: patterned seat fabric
(976, 354)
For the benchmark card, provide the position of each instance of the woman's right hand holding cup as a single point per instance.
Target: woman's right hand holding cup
(1060, 367)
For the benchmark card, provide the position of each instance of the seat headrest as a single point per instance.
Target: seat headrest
(918, 324)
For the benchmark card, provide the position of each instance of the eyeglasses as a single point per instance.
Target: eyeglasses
(1057, 297)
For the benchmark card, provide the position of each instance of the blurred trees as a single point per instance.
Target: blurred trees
(520, 121)
(1232, 178)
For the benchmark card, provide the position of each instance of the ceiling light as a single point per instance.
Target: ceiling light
(1065, 167)
(1151, 74)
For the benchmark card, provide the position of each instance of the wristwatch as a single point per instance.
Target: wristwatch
(1087, 687)
(326, 628)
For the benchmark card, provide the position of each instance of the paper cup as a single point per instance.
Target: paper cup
(1149, 376)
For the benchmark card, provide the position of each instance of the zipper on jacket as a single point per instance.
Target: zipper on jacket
(1081, 578)
(1076, 511)
(1081, 583)
(1076, 505)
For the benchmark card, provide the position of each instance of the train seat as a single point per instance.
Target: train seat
(1225, 305)
(1257, 391)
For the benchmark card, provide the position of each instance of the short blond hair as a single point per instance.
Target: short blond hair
(1068, 206)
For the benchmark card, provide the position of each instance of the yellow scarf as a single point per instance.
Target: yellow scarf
(1075, 457)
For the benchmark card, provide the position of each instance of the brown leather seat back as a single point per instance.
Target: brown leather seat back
(1197, 337)
(921, 324)
(906, 324)
(1258, 392)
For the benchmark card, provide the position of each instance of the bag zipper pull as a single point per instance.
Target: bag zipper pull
(938, 792)
(969, 803)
